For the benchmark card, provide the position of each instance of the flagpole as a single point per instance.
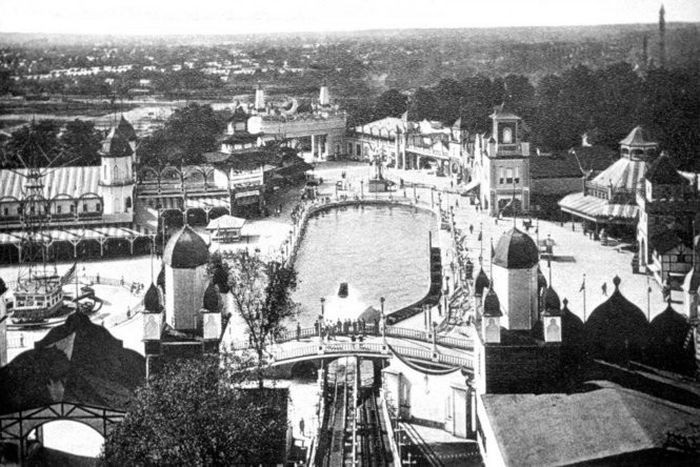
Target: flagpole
(648, 300)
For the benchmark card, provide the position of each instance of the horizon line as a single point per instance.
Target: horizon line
(334, 31)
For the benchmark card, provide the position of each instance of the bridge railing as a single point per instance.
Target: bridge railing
(370, 330)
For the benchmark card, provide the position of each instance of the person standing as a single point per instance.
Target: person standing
(604, 289)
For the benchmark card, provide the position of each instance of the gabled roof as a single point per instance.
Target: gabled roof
(638, 137)
(226, 222)
(662, 172)
(78, 362)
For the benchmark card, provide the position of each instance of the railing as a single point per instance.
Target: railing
(371, 329)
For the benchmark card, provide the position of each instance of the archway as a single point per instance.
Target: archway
(64, 438)
(217, 212)
(142, 245)
(172, 218)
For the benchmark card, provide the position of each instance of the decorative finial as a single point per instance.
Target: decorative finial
(616, 280)
(565, 302)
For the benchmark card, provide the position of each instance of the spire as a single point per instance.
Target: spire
(662, 37)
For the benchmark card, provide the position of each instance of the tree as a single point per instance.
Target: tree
(194, 412)
(390, 104)
(194, 130)
(81, 142)
(262, 297)
(34, 145)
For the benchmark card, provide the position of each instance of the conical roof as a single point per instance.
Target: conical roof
(116, 145)
(492, 305)
(186, 250)
(638, 137)
(662, 172)
(551, 302)
(126, 129)
(541, 280)
(481, 282)
(516, 250)
(211, 301)
(151, 301)
(571, 326)
(617, 329)
(160, 281)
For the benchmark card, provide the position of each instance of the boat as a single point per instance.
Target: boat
(39, 297)
(343, 290)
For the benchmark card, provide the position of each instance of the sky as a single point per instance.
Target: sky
(157, 17)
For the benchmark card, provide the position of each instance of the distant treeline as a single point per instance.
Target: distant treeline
(605, 103)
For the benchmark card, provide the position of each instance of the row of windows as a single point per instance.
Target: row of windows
(59, 209)
(508, 176)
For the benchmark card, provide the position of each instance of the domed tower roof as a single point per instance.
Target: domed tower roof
(481, 282)
(667, 335)
(186, 250)
(116, 145)
(3, 287)
(126, 129)
(638, 137)
(212, 301)
(492, 305)
(152, 302)
(617, 329)
(571, 325)
(516, 250)
(551, 302)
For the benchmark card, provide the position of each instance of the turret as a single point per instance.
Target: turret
(490, 322)
(551, 317)
(515, 279)
(186, 256)
(116, 171)
(211, 317)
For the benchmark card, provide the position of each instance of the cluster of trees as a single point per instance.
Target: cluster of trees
(45, 143)
(205, 412)
(607, 102)
(194, 412)
(187, 134)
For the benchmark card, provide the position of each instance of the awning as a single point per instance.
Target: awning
(226, 222)
(207, 202)
(596, 209)
(471, 185)
(8, 239)
(62, 236)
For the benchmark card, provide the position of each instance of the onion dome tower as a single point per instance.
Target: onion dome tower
(667, 338)
(551, 317)
(515, 279)
(212, 300)
(186, 257)
(212, 306)
(480, 283)
(617, 330)
(152, 301)
(490, 322)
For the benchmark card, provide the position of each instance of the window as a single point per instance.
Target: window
(509, 176)
(19, 211)
(58, 209)
(115, 175)
(358, 149)
(502, 176)
(350, 149)
(5, 210)
(85, 207)
(97, 207)
(72, 208)
(517, 175)
(127, 204)
(507, 136)
(32, 209)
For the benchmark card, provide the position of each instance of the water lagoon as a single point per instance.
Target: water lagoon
(380, 251)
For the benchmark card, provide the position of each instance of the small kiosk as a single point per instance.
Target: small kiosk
(226, 229)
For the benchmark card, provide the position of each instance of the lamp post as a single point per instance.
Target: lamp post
(362, 188)
(432, 194)
(382, 322)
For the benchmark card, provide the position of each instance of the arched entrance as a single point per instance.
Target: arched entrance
(67, 436)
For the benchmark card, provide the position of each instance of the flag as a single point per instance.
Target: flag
(480, 236)
(493, 252)
(69, 275)
(583, 285)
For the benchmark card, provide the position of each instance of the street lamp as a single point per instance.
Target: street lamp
(362, 188)
(382, 322)
(323, 310)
